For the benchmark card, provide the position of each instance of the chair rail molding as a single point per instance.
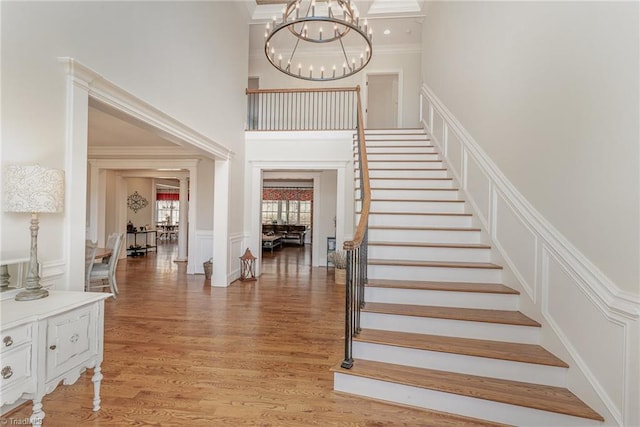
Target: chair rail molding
(550, 269)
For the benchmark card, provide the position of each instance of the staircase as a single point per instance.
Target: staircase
(439, 329)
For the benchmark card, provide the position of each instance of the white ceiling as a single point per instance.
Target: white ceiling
(402, 17)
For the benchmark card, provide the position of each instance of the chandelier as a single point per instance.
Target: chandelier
(319, 40)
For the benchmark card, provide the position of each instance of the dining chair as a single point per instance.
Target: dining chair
(111, 240)
(89, 258)
(105, 274)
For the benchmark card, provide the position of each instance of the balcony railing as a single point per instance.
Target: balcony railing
(301, 109)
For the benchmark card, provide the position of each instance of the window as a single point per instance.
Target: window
(167, 212)
(286, 212)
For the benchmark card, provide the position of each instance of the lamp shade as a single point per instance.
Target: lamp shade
(33, 189)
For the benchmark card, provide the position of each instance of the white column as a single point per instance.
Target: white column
(221, 194)
(183, 219)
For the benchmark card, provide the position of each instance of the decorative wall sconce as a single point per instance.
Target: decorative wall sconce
(248, 267)
(135, 202)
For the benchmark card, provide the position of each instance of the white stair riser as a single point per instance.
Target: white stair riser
(452, 403)
(406, 183)
(396, 148)
(479, 300)
(381, 173)
(451, 328)
(435, 274)
(416, 253)
(420, 236)
(405, 165)
(463, 364)
(416, 194)
(415, 206)
(375, 157)
(383, 220)
(371, 137)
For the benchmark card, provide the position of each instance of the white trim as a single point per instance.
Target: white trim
(108, 93)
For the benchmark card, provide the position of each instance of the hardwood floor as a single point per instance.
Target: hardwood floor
(181, 353)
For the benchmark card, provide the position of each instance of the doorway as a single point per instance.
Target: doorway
(383, 101)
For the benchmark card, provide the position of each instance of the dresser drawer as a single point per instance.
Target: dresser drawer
(71, 340)
(16, 369)
(14, 337)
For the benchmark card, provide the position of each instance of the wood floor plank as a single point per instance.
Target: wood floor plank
(443, 286)
(179, 352)
(516, 352)
(506, 317)
(547, 398)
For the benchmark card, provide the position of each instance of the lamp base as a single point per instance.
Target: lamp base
(32, 294)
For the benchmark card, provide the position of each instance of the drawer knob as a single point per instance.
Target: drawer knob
(74, 338)
(7, 372)
(52, 347)
(7, 341)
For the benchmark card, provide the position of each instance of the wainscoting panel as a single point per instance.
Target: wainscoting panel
(585, 328)
(517, 242)
(454, 155)
(204, 250)
(478, 187)
(438, 126)
(52, 275)
(237, 244)
(591, 322)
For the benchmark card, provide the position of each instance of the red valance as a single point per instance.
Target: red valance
(167, 196)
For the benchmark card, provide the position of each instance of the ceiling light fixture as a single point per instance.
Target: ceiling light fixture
(306, 27)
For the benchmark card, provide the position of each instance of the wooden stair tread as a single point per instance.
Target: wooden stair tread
(492, 288)
(404, 169)
(505, 317)
(403, 160)
(433, 245)
(415, 200)
(414, 189)
(443, 264)
(408, 179)
(383, 227)
(516, 352)
(535, 396)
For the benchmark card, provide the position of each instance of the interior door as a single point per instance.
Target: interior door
(382, 101)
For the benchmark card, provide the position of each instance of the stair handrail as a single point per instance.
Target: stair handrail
(357, 248)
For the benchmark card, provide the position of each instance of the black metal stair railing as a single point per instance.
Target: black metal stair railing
(357, 248)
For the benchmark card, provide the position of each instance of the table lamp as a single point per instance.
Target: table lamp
(33, 189)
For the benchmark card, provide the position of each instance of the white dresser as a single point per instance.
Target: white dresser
(48, 341)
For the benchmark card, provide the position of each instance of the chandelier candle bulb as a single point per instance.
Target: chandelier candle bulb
(320, 33)
(299, 68)
(279, 60)
(310, 71)
(297, 10)
(361, 59)
(322, 72)
(334, 71)
(313, 8)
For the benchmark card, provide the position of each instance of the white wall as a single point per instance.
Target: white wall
(550, 91)
(533, 105)
(144, 216)
(166, 53)
(405, 61)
